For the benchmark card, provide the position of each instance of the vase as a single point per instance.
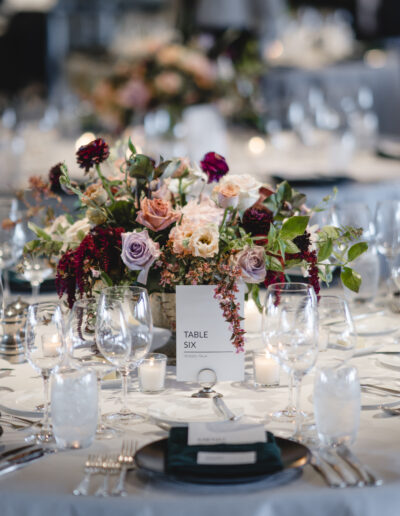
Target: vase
(163, 309)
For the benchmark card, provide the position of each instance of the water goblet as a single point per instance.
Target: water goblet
(136, 307)
(337, 335)
(114, 342)
(281, 302)
(82, 344)
(337, 404)
(35, 269)
(44, 350)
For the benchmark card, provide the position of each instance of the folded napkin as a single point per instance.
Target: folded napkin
(182, 458)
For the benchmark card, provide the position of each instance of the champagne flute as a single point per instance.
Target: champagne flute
(44, 349)
(114, 342)
(81, 332)
(136, 307)
(279, 301)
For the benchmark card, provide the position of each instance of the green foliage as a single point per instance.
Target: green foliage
(350, 278)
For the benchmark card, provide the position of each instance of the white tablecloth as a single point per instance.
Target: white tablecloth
(45, 486)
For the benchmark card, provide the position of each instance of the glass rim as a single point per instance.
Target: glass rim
(290, 285)
(45, 303)
(115, 288)
(155, 356)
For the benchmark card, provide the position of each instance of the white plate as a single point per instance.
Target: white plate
(22, 402)
(390, 361)
(369, 325)
(189, 410)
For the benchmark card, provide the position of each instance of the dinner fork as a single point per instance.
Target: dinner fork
(92, 466)
(126, 460)
(109, 466)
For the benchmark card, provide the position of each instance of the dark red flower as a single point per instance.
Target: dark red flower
(92, 154)
(54, 178)
(257, 220)
(214, 166)
(303, 242)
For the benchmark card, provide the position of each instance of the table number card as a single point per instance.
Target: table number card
(203, 336)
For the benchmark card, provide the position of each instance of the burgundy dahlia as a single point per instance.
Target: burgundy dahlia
(214, 166)
(257, 220)
(92, 154)
(303, 242)
(54, 178)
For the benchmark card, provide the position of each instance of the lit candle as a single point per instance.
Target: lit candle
(266, 369)
(152, 373)
(51, 345)
(252, 317)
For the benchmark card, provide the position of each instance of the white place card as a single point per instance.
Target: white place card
(226, 458)
(203, 336)
(225, 432)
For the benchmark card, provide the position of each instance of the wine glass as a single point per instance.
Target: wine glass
(35, 269)
(387, 224)
(136, 307)
(281, 308)
(8, 248)
(81, 332)
(114, 342)
(44, 349)
(337, 335)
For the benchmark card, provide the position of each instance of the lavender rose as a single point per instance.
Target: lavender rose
(139, 252)
(251, 262)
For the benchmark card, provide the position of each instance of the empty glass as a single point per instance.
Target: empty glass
(387, 224)
(44, 350)
(337, 405)
(137, 314)
(36, 269)
(337, 335)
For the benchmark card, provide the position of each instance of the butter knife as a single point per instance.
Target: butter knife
(224, 409)
(7, 455)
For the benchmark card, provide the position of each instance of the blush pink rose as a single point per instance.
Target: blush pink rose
(156, 214)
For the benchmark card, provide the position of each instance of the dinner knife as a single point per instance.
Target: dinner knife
(370, 386)
(20, 460)
(224, 409)
(7, 455)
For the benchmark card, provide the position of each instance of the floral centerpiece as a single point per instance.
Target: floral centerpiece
(167, 223)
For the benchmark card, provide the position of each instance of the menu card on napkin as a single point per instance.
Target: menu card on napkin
(203, 337)
(225, 432)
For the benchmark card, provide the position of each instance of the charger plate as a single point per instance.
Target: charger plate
(151, 459)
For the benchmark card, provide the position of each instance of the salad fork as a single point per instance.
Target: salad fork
(126, 460)
(109, 466)
(92, 466)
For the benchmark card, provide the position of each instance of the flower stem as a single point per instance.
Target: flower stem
(105, 184)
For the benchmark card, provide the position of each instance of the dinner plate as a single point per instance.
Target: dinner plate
(151, 459)
(22, 403)
(181, 411)
(370, 325)
(390, 361)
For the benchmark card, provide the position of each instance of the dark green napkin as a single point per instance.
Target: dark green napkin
(182, 458)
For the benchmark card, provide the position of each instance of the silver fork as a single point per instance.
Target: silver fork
(369, 478)
(109, 466)
(92, 466)
(126, 460)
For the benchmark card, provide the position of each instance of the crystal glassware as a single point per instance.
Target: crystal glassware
(82, 346)
(137, 314)
(151, 373)
(387, 225)
(279, 300)
(35, 269)
(337, 335)
(114, 342)
(44, 349)
(337, 405)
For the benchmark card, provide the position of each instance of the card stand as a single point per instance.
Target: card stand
(207, 378)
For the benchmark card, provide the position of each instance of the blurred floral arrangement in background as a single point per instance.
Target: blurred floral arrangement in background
(167, 223)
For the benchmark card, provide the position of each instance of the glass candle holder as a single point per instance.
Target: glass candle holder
(266, 369)
(151, 373)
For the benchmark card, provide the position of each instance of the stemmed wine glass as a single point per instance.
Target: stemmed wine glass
(387, 224)
(35, 269)
(337, 335)
(44, 349)
(8, 248)
(81, 332)
(280, 313)
(114, 342)
(137, 312)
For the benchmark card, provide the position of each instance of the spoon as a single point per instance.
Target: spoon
(392, 411)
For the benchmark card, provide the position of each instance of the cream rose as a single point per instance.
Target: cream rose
(204, 212)
(226, 195)
(156, 214)
(248, 186)
(204, 241)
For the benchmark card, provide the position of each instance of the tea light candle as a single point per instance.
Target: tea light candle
(151, 373)
(51, 345)
(252, 317)
(266, 369)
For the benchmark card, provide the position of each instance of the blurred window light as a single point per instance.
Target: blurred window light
(375, 58)
(256, 145)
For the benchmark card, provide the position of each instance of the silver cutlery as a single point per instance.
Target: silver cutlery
(109, 466)
(92, 466)
(350, 477)
(387, 390)
(331, 478)
(370, 479)
(224, 410)
(19, 419)
(126, 461)
(392, 411)
(17, 461)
